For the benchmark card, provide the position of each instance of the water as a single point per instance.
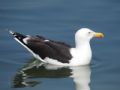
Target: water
(59, 20)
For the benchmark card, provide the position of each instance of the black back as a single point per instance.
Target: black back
(47, 48)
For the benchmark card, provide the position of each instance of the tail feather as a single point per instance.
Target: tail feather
(22, 40)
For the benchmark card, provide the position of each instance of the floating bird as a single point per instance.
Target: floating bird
(60, 53)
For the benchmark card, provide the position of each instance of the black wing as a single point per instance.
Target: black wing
(48, 48)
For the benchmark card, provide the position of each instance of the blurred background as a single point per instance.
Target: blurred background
(59, 20)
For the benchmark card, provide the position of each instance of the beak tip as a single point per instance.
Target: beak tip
(99, 35)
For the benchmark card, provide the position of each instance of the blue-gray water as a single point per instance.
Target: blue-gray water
(59, 20)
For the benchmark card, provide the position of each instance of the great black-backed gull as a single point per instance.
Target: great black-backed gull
(60, 53)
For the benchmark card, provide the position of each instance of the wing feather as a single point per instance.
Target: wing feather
(52, 49)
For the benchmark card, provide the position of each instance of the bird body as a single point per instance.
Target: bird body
(60, 53)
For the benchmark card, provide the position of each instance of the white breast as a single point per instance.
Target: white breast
(81, 55)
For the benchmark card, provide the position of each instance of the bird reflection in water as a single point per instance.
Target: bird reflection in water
(35, 69)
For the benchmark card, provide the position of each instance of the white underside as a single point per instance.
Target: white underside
(79, 57)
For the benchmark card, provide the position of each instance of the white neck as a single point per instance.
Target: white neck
(80, 45)
(81, 53)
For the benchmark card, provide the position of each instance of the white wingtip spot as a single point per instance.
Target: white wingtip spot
(11, 32)
(25, 40)
(46, 40)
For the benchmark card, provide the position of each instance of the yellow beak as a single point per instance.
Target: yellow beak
(99, 35)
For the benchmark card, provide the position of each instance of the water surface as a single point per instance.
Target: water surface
(59, 20)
